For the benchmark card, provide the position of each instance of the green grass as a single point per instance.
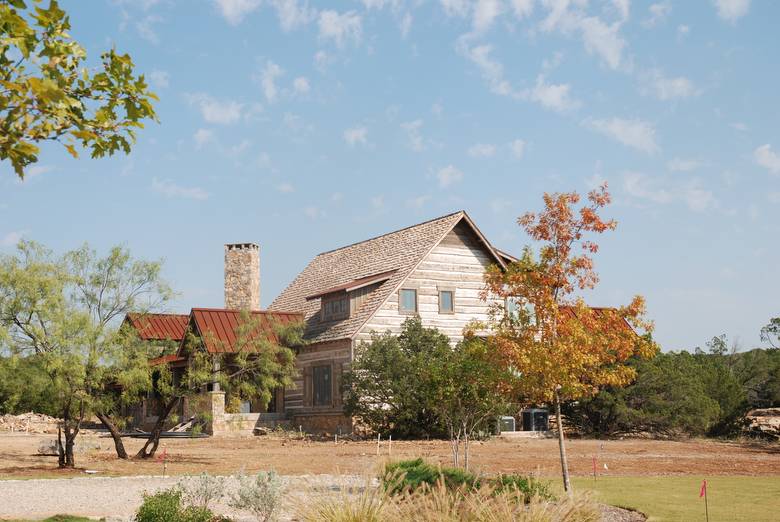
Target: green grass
(676, 499)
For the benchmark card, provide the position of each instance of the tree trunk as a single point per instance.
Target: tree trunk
(562, 444)
(466, 451)
(60, 448)
(154, 437)
(112, 429)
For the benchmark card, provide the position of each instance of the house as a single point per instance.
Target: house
(433, 269)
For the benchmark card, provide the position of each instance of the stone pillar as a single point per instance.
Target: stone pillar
(217, 412)
(242, 276)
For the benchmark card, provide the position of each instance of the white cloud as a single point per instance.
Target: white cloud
(599, 37)
(222, 112)
(301, 85)
(37, 170)
(551, 96)
(285, 188)
(732, 10)
(738, 125)
(267, 78)
(774, 197)
(159, 79)
(202, 137)
(314, 213)
(660, 191)
(448, 175)
(482, 150)
(292, 15)
(172, 190)
(340, 27)
(683, 165)
(378, 202)
(492, 70)
(238, 148)
(634, 133)
(296, 123)
(322, 60)
(356, 135)
(12, 238)
(412, 129)
(767, 158)
(665, 88)
(145, 28)
(485, 12)
(418, 202)
(455, 7)
(406, 24)
(518, 148)
(658, 13)
(234, 11)
(683, 30)
(522, 8)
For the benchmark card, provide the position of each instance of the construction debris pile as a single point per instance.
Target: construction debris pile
(764, 422)
(29, 423)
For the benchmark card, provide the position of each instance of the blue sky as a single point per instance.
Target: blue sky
(304, 127)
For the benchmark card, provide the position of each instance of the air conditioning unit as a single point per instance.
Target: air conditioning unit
(506, 423)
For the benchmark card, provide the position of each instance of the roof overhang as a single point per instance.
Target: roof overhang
(355, 284)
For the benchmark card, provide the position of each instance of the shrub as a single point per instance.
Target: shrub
(410, 475)
(166, 506)
(202, 490)
(260, 495)
(528, 486)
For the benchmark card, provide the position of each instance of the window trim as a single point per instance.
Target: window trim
(401, 310)
(451, 291)
(332, 298)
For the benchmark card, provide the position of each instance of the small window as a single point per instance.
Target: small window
(322, 385)
(407, 301)
(335, 308)
(446, 302)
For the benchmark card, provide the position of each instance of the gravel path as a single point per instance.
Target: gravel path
(117, 498)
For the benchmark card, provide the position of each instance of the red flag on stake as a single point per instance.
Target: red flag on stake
(163, 455)
(703, 493)
(703, 490)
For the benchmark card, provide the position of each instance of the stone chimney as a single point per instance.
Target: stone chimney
(242, 276)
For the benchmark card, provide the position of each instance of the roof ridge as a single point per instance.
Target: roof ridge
(233, 310)
(392, 232)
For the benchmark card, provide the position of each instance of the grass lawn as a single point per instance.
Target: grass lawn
(676, 498)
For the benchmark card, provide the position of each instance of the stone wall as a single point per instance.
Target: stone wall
(242, 276)
(328, 423)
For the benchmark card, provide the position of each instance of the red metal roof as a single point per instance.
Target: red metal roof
(217, 327)
(159, 327)
(166, 359)
(597, 311)
(355, 284)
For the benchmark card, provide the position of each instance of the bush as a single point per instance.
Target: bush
(166, 506)
(260, 495)
(528, 486)
(410, 475)
(202, 490)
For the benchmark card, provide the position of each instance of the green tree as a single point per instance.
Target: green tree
(770, 333)
(48, 94)
(251, 368)
(65, 310)
(469, 392)
(391, 387)
(25, 386)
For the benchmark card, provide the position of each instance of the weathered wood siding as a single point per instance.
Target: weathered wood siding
(337, 354)
(457, 263)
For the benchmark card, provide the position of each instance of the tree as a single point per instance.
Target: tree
(770, 333)
(48, 94)
(252, 367)
(559, 347)
(469, 392)
(65, 312)
(390, 385)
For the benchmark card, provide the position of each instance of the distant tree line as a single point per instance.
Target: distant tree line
(707, 392)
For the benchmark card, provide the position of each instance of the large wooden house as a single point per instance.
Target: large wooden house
(433, 269)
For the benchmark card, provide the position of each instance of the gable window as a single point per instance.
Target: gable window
(322, 385)
(446, 302)
(407, 301)
(335, 308)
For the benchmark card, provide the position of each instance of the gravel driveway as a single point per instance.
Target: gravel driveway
(117, 498)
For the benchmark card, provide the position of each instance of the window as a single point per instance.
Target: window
(513, 307)
(446, 302)
(407, 301)
(335, 308)
(322, 385)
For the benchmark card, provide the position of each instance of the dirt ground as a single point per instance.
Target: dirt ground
(291, 456)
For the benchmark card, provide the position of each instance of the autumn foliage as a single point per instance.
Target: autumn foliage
(553, 340)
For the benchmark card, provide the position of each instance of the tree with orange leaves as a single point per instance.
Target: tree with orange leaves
(557, 346)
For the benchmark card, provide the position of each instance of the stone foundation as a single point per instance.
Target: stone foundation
(328, 423)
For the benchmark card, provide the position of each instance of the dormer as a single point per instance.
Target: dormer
(342, 301)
